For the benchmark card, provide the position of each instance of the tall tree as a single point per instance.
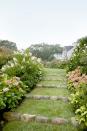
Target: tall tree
(8, 44)
(45, 51)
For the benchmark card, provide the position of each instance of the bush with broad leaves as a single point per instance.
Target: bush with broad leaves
(25, 66)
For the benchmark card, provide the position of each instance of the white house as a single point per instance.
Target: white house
(66, 54)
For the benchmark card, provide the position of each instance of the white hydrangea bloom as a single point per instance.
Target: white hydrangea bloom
(14, 59)
(30, 54)
(26, 54)
(23, 59)
(12, 65)
(3, 68)
(39, 60)
(33, 58)
(5, 89)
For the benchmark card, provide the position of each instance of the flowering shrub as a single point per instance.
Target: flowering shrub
(25, 66)
(76, 77)
(77, 80)
(11, 92)
(18, 76)
(77, 83)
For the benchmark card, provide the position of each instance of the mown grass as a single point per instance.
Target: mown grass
(53, 82)
(50, 91)
(54, 71)
(21, 126)
(46, 107)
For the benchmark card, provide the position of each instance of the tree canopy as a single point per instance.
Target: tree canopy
(8, 44)
(45, 51)
(6, 51)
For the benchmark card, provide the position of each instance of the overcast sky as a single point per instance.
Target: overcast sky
(52, 21)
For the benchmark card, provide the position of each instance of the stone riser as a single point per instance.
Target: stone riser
(50, 86)
(11, 116)
(41, 97)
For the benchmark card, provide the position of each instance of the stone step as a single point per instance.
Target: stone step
(50, 86)
(45, 97)
(52, 79)
(11, 116)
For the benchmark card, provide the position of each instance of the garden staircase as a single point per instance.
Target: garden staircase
(48, 103)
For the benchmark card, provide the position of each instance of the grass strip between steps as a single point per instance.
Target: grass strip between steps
(33, 126)
(46, 108)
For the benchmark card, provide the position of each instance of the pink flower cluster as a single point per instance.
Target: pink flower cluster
(76, 77)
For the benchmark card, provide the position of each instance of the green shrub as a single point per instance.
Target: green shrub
(18, 77)
(11, 92)
(79, 99)
(78, 90)
(5, 56)
(25, 66)
(79, 57)
(57, 64)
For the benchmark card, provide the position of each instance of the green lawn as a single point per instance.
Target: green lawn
(46, 108)
(56, 83)
(53, 82)
(55, 71)
(50, 91)
(21, 126)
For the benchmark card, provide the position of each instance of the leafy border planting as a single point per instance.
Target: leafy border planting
(18, 77)
(77, 81)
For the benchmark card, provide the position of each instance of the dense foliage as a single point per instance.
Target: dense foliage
(5, 56)
(56, 64)
(17, 77)
(78, 99)
(77, 81)
(11, 91)
(44, 51)
(6, 51)
(8, 44)
(28, 68)
(79, 57)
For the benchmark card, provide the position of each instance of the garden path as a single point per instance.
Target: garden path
(46, 108)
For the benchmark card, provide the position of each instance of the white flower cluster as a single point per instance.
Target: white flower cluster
(15, 60)
(5, 67)
(33, 58)
(5, 90)
(24, 59)
(39, 60)
(30, 54)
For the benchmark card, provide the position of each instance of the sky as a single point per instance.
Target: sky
(29, 22)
